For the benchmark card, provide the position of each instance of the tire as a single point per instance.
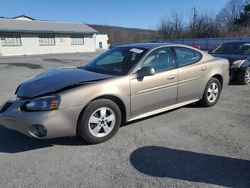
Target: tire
(244, 77)
(212, 93)
(100, 121)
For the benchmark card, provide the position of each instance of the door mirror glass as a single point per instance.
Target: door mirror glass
(145, 71)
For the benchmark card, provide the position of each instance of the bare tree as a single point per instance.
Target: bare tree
(202, 26)
(230, 12)
(178, 25)
(213, 28)
(171, 28)
(165, 29)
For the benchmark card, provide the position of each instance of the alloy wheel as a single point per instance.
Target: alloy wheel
(247, 77)
(102, 122)
(212, 92)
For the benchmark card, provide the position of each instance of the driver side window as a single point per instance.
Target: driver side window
(160, 60)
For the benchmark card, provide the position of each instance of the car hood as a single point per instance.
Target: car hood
(231, 58)
(56, 80)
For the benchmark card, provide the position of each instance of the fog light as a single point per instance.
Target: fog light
(41, 130)
(38, 130)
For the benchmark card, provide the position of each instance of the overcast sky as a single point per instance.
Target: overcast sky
(128, 13)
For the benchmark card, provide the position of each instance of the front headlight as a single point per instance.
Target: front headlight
(42, 104)
(237, 63)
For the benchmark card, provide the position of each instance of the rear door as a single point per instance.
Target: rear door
(157, 91)
(192, 71)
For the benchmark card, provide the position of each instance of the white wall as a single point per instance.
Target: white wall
(101, 38)
(30, 45)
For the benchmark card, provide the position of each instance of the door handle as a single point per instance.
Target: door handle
(171, 77)
(204, 68)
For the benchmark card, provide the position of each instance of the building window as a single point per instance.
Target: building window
(47, 40)
(11, 40)
(77, 40)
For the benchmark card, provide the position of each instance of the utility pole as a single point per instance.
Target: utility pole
(194, 21)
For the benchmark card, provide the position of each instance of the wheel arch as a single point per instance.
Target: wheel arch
(113, 98)
(219, 77)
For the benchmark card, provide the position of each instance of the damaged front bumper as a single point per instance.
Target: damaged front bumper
(42, 125)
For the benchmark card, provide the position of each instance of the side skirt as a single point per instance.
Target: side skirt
(162, 110)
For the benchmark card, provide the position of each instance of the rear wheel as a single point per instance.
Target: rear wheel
(212, 93)
(244, 77)
(100, 121)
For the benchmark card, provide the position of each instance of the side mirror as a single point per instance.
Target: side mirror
(145, 71)
(209, 51)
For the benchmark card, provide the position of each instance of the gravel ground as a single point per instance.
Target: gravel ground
(186, 147)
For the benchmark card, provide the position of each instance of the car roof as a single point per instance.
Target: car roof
(145, 45)
(151, 46)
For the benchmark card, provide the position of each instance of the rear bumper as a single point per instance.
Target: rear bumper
(58, 123)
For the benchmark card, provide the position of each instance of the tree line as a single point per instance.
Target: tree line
(232, 21)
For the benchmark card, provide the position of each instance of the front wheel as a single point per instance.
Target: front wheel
(212, 93)
(100, 121)
(244, 77)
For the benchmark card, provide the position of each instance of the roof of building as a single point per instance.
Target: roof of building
(37, 26)
(24, 16)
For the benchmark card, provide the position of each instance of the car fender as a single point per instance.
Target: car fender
(82, 95)
(220, 67)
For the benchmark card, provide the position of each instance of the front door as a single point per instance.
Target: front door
(157, 91)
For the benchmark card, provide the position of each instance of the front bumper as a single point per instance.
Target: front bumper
(58, 123)
(233, 71)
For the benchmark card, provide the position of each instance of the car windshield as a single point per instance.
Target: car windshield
(117, 61)
(233, 49)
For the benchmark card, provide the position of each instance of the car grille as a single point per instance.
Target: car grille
(5, 107)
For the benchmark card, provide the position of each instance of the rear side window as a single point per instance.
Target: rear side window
(186, 56)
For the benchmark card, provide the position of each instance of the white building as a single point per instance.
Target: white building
(24, 36)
